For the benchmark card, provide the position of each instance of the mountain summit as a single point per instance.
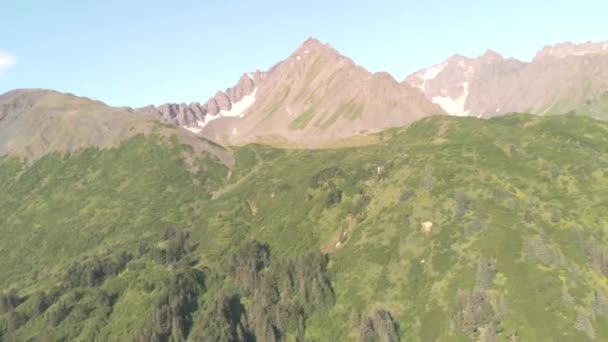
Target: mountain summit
(313, 97)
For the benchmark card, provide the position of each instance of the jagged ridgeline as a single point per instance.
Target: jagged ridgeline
(452, 229)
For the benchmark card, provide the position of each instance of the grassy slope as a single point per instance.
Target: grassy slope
(65, 206)
(527, 193)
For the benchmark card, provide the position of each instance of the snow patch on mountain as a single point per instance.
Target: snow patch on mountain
(429, 74)
(432, 72)
(238, 110)
(454, 106)
(199, 127)
(193, 129)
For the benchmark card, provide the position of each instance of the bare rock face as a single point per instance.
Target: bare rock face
(178, 114)
(186, 115)
(244, 87)
(166, 111)
(222, 100)
(561, 78)
(198, 110)
(212, 107)
(195, 116)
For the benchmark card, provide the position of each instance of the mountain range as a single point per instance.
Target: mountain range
(317, 96)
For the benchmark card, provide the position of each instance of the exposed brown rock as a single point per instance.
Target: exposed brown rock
(212, 107)
(223, 102)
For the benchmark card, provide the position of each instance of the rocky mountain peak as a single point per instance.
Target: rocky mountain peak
(311, 42)
(569, 49)
(315, 44)
(457, 58)
(491, 56)
(233, 101)
(317, 95)
(313, 47)
(47, 121)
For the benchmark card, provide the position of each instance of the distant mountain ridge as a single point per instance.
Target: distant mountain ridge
(568, 49)
(35, 122)
(561, 78)
(317, 97)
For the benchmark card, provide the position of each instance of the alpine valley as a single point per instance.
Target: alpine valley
(315, 201)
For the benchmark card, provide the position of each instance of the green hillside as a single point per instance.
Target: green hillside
(452, 229)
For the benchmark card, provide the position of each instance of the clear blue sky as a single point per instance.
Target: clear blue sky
(140, 52)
